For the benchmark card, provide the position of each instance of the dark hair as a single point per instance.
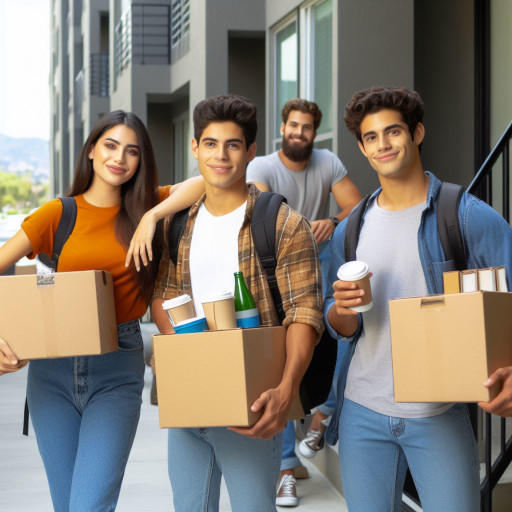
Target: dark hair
(227, 107)
(305, 106)
(369, 101)
(138, 195)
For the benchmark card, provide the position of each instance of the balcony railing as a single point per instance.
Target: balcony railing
(99, 78)
(143, 36)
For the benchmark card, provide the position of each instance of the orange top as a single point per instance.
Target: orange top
(91, 246)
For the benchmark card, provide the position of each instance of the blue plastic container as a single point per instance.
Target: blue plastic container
(197, 324)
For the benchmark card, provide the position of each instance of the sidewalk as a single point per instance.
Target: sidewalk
(146, 488)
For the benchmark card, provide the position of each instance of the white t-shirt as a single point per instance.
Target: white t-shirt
(214, 253)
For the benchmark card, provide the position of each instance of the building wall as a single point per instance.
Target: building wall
(501, 67)
(376, 47)
(444, 76)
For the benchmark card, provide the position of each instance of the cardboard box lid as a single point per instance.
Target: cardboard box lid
(444, 347)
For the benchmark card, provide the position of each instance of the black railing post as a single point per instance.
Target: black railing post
(506, 181)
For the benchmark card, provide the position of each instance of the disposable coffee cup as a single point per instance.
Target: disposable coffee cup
(179, 309)
(359, 273)
(219, 310)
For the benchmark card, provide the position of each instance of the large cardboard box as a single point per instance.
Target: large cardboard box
(58, 315)
(444, 347)
(211, 379)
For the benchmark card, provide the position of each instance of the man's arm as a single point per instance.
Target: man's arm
(165, 288)
(298, 277)
(346, 195)
(300, 344)
(160, 317)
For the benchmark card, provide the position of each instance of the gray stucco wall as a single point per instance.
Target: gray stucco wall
(444, 76)
(376, 47)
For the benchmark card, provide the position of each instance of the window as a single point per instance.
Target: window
(180, 27)
(303, 66)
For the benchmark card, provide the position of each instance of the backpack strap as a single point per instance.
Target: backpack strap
(354, 228)
(64, 229)
(175, 232)
(448, 224)
(263, 229)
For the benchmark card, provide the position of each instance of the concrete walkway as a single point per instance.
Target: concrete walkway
(146, 488)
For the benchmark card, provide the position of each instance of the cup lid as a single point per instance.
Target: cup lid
(213, 297)
(177, 301)
(191, 321)
(353, 270)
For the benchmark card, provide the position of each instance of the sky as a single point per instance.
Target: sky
(25, 68)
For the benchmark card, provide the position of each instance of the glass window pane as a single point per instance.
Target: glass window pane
(322, 63)
(286, 70)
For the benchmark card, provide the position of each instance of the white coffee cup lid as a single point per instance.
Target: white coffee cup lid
(353, 270)
(177, 301)
(222, 295)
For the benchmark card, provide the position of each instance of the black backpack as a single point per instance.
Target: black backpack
(64, 229)
(448, 225)
(316, 383)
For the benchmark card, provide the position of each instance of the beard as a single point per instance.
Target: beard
(295, 152)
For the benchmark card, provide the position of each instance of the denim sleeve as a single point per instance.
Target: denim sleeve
(488, 237)
(337, 259)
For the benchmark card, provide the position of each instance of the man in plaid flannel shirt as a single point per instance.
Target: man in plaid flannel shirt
(216, 242)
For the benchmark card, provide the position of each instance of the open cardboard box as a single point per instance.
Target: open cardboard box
(58, 315)
(445, 346)
(211, 379)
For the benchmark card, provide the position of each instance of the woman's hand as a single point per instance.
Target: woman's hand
(9, 363)
(140, 245)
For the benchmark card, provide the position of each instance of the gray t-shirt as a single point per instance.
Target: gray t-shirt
(307, 191)
(388, 243)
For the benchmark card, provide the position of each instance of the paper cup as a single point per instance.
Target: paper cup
(359, 273)
(220, 311)
(179, 309)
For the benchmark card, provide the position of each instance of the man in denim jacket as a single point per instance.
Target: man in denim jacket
(379, 438)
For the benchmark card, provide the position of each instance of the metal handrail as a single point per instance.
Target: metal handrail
(486, 167)
(494, 470)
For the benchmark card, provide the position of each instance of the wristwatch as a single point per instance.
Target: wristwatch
(335, 221)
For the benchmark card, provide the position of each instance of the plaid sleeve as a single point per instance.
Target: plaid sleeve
(165, 284)
(298, 271)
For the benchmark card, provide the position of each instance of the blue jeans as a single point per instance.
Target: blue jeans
(198, 457)
(85, 412)
(440, 450)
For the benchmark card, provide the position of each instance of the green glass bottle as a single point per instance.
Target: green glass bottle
(245, 308)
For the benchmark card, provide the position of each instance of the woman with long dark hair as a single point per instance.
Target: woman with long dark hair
(85, 410)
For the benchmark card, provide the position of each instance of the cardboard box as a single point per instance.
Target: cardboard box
(211, 379)
(58, 315)
(444, 347)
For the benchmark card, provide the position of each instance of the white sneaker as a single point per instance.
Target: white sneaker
(314, 441)
(287, 492)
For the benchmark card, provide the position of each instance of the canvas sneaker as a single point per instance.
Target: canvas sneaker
(313, 442)
(287, 492)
